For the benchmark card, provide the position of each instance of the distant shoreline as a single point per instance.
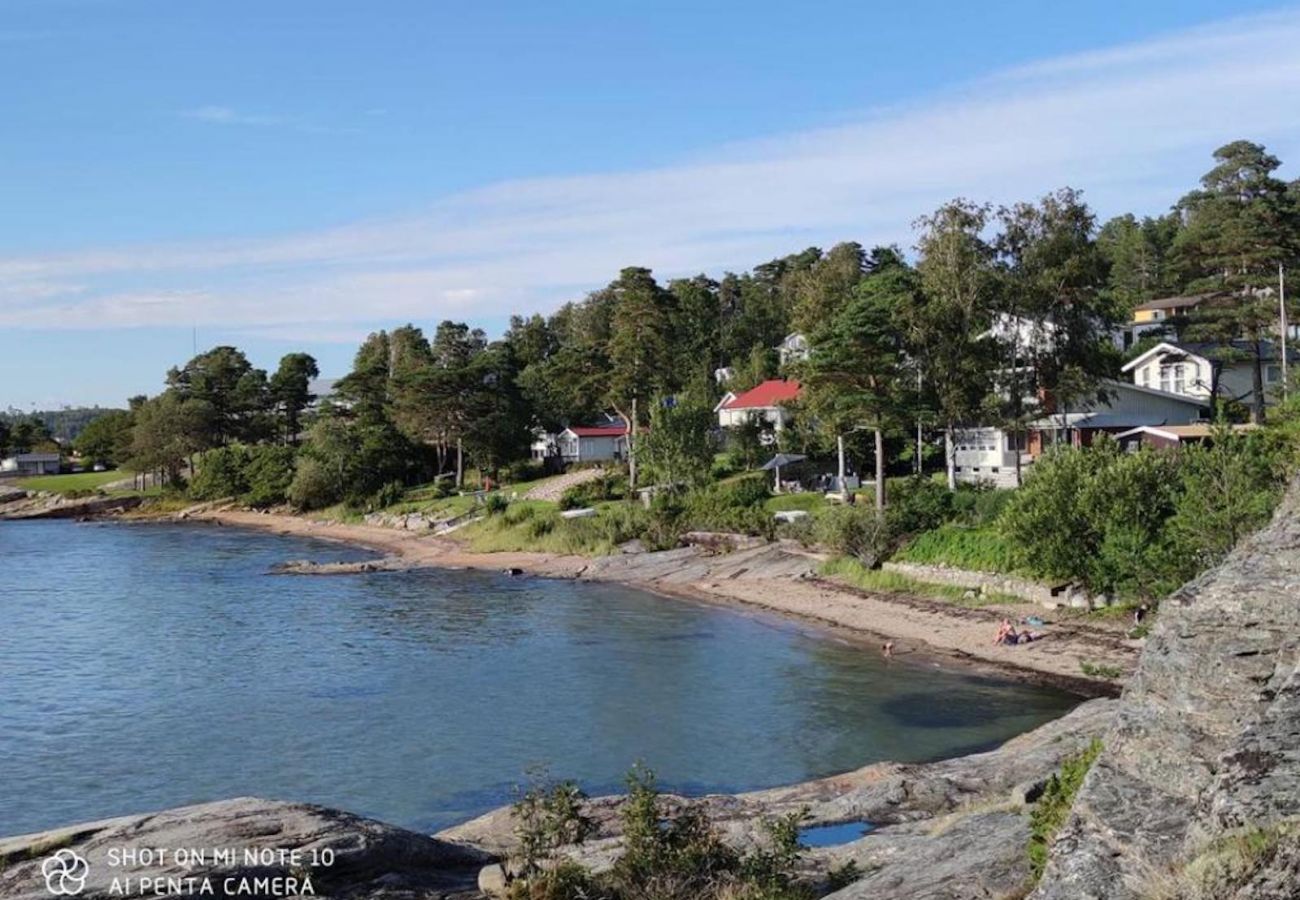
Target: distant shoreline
(757, 580)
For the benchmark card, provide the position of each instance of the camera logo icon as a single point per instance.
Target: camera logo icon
(65, 873)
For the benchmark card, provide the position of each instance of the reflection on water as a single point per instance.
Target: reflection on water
(833, 835)
(150, 666)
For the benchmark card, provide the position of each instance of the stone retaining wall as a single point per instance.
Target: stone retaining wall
(994, 583)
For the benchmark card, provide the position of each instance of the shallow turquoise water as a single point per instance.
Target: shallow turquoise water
(146, 666)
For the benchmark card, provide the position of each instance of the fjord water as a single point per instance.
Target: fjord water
(147, 666)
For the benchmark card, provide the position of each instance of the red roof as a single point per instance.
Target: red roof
(769, 393)
(598, 430)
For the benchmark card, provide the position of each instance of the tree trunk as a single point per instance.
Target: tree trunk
(631, 449)
(1015, 448)
(460, 464)
(880, 470)
(844, 491)
(950, 460)
(1257, 386)
(1216, 371)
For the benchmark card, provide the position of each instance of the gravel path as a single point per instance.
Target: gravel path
(555, 487)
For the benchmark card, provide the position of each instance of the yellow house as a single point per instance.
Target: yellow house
(1154, 311)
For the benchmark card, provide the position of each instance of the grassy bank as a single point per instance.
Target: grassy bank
(854, 573)
(78, 483)
(537, 526)
(981, 548)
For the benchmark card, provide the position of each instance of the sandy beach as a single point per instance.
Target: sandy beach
(775, 580)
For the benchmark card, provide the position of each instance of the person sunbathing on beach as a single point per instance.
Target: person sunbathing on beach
(1006, 633)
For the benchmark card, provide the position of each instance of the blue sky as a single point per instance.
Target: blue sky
(291, 175)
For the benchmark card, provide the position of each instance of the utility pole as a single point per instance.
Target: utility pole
(917, 462)
(1281, 306)
(844, 491)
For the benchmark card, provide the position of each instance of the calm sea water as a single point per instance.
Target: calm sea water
(147, 666)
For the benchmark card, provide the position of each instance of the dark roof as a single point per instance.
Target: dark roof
(1209, 349)
(1177, 302)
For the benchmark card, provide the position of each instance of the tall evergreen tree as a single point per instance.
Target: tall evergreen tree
(290, 391)
(639, 349)
(854, 376)
(1239, 228)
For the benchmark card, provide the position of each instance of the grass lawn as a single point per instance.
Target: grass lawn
(68, 484)
(809, 501)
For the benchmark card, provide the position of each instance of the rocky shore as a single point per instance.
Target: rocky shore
(1196, 793)
(17, 505)
(955, 828)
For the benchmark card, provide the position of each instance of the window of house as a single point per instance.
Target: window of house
(1146, 376)
(1180, 382)
(1164, 378)
(1273, 374)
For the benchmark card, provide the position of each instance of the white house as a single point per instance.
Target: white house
(31, 464)
(1187, 369)
(989, 453)
(768, 403)
(592, 443)
(793, 349)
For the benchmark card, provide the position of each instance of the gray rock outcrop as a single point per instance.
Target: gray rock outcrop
(1206, 742)
(368, 858)
(955, 829)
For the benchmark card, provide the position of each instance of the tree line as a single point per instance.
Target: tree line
(1000, 314)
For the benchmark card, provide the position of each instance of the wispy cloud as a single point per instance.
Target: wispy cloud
(224, 115)
(1133, 126)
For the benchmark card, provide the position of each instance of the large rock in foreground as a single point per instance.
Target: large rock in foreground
(1197, 793)
(955, 829)
(368, 858)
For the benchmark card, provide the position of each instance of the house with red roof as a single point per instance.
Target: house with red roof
(769, 403)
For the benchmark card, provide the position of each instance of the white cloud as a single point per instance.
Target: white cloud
(224, 115)
(1133, 126)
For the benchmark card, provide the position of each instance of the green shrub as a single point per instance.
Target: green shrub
(257, 475)
(609, 486)
(856, 531)
(989, 506)
(918, 504)
(748, 491)
(313, 487)
(495, 504)
(726, 464)
(1096, 515)
(221, 473)
(667, 853)
(1053, 807)
(389, 494)
(983, 549)
(522, 470)
(268, 475)
(548, 817)
(735, 506)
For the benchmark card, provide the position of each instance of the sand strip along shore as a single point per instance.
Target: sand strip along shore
(773, 579)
